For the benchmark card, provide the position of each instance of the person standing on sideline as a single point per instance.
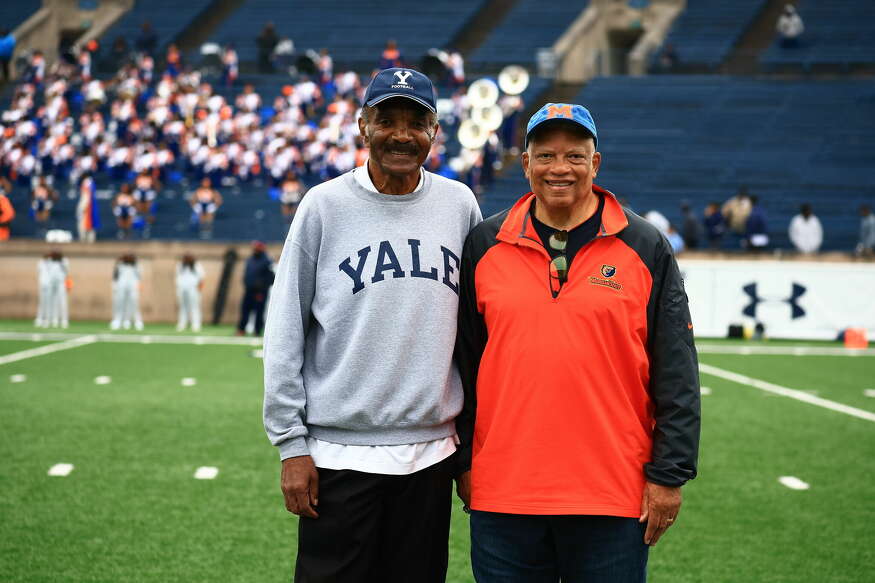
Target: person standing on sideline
(577, 357)
(805, 230)
(715, 226)
(126, 294)
(361, 391)
(53, 273)
(257, 279)
(756, 227)
(189, 281)
(87, 211)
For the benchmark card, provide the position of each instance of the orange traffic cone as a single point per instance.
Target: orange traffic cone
(856, 338)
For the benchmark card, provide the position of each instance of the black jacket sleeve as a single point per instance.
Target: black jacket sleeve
(674, 376)
(470, 343)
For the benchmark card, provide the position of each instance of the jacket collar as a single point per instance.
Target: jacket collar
(518, 223)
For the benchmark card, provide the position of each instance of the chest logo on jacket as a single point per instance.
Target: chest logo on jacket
(387, 262)
(607, 272)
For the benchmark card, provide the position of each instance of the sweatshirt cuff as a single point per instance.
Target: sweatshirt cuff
(672, 477)
(294, 447)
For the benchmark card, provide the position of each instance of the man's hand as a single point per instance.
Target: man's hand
(659, 508)
(463, 488)
(300, 486)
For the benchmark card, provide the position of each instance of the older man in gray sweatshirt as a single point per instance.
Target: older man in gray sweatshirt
(361, 390)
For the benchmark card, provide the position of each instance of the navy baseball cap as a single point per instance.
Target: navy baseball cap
(400, 82)
(563, 111)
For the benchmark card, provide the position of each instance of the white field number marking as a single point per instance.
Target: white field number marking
(61, 470)
(206, 473)
(102, 380)
(869, 392)
(189, 382)
(705, 390)
(18, 378)
(793, 483)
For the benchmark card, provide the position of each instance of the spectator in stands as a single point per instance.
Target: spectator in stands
(7, 49)
(658, 220)
(118, 54)
(124, 208)
(691, 229)
(391, 56)
(735, 212)
(257, 279)
(326, 67)
(87, 211)
(668, 57)
(266, 40)
(291, 193)
(866, 246)
(456, 69)
(756, 228)
(715, 226)
(7, 211)
(145, 192)
(805, 231)
(205, 202)
(675, 239)
(174, 60)
(189, 282)
(36, 69)
(43, 198)
(790, 27)
(230, 65)
(147, 41)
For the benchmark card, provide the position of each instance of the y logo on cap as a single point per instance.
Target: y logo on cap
(402, 77)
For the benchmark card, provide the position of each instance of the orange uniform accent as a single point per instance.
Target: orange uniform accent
(7, 213)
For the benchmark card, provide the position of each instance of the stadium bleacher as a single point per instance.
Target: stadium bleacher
(527, 27)
(12, 14)
(698, 138)
(837, 32)
(169, 18)
(354, 32)
(706, 31)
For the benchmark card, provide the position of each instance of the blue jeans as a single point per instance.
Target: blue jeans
(522, 548)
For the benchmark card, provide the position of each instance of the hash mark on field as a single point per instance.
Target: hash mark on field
(189, 382)
(786, 392)
(869, 392)
(61, 470)
(705, 390)
(794, 483)
(18, 378)
(206, 473)
(102, 380)
(257, 354)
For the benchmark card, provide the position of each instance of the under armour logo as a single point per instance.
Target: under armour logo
(403, 76)
(751, 309)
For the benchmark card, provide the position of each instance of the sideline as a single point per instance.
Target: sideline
(43, 350)
(786, 392)
(134, 338)
(705, 348)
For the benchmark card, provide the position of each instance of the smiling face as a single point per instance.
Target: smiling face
(399, 133)
(560, 163)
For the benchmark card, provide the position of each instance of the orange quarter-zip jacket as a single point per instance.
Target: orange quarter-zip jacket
(573, 401)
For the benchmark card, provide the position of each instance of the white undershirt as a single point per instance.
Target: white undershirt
(380, 459)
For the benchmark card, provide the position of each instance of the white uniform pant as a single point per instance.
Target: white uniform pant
(54, 305)
(189, 299)
(126, 305)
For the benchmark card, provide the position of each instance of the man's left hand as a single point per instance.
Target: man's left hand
(659, 508)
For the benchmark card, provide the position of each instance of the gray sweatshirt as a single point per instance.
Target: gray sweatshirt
(360, 331)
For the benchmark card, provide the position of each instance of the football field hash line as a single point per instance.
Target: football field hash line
(49, 349)
(135, 338)
(786, 392)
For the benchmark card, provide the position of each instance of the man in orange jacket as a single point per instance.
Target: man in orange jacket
(577, 359)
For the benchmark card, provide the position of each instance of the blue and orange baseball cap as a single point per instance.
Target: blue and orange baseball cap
(570, 112)
(400, 82)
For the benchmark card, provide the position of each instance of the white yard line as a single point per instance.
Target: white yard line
(135, 338)
(49, 349)
(786, 392)
(794, 483)
(705, 348)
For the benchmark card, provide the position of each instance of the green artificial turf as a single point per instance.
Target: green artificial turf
(132, 511)
(101, 327)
